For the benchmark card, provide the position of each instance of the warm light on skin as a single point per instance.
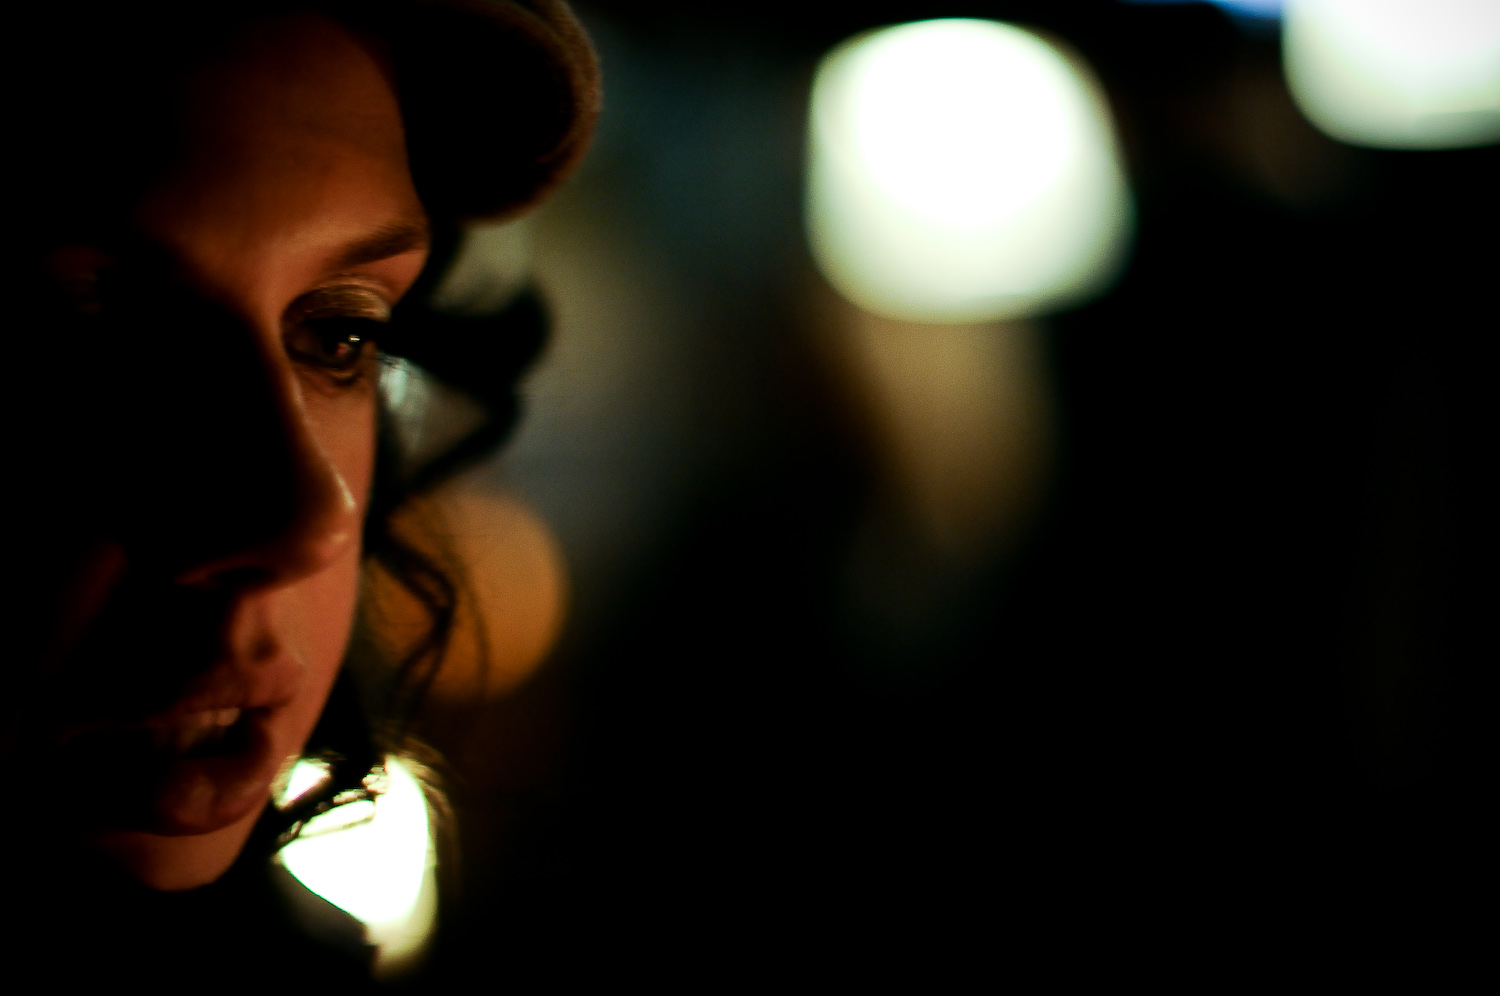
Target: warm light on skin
(961, 171)
(297, 159)
(1398, 74)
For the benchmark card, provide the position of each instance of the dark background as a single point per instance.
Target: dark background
(1239, 663)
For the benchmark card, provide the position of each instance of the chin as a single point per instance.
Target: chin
(177, 863)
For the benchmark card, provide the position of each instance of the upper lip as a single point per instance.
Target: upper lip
(231, 684)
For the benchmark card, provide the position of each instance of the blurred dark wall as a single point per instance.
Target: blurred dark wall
(1241, 651)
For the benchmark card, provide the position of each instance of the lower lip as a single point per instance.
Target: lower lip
(166, 794)
(200, 795)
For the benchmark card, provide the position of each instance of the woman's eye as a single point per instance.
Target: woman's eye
(335, 344)
(334, 329)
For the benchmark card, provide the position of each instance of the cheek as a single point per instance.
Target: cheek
(317, 613)
(344, 427)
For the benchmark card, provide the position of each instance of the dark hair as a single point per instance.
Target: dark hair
(483, 357)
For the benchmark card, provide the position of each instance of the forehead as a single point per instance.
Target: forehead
(293, 79)
(290, 146)
(117, 109)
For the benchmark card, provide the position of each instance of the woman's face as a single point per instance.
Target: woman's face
(211, 548)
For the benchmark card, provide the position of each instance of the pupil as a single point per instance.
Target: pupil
(340, 344)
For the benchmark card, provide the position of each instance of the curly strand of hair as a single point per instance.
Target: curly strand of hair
(432, 587)
(484, 357)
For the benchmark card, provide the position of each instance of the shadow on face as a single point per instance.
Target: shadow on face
(198, 358)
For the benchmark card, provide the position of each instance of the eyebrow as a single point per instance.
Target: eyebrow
(395, 239)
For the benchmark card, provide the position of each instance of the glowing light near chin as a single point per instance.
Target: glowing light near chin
(1400, 74)
(305, 775)
(960, 171)
(376, 862)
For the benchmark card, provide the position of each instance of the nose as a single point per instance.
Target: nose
(239, 490)
(282, 519)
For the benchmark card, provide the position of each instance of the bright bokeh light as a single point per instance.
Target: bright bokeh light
(377, 867)
(1399, 74)
(960, 171)
(305, 775)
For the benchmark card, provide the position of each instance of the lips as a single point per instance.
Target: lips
(178, 705)
(225, 773)
(195, 774)
(199, 734)
(183, 760)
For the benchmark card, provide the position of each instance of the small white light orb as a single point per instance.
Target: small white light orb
(374, 869)
(960, 171)
(306, 774)
(1396, 74)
